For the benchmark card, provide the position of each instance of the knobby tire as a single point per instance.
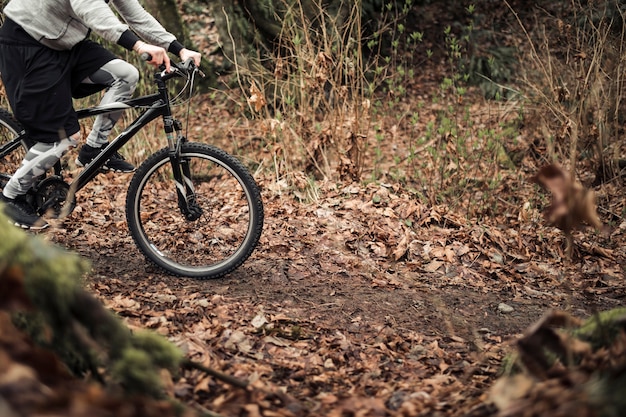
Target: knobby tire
(9, 129)
(216, 243)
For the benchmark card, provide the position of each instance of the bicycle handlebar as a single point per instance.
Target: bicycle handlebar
(179, 68)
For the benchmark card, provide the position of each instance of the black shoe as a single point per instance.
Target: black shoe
(21, 213)
(116, 163)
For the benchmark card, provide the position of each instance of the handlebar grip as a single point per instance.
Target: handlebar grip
(147, 57)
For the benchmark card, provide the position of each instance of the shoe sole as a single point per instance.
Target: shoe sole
(27, 227)
(104, 168)
(117, 171)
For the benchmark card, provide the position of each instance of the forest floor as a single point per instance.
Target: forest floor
(323, 311)
(346, 311)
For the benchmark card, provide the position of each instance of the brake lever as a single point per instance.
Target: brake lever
(147, 57)
(190, 65)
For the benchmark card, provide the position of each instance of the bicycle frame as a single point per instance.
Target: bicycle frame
(12, 145)
(157, 105)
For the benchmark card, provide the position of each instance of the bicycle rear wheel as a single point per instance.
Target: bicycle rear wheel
(225, 233)
(11, 153)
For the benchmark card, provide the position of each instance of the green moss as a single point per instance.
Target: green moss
(51, 275)
(602, 327)
(162, 352)
(136, 372)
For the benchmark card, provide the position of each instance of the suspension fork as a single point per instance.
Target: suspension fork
(185, 191)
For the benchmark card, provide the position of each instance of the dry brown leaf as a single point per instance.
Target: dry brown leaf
(572, 204)
(433, 266)
(12, 292)
(508, 390)
(256, 99)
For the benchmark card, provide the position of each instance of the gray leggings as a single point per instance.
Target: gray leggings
(121, 79)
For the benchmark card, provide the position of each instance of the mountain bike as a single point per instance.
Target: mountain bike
(192, 209)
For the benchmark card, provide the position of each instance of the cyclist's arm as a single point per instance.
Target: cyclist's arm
(98, 16)
(146, 26)
(104, 22)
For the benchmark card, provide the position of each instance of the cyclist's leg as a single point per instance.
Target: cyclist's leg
(39, 159)
(37, 82)
(121, 79)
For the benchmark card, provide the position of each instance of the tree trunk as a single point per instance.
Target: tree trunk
(237, 36)
(166, 12)
(249, 27)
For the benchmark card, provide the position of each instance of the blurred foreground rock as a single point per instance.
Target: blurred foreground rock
(567, 368)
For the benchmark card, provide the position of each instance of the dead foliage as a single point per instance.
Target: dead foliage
(361, 299)
(569, 368)
(572, 205)
(366, 300)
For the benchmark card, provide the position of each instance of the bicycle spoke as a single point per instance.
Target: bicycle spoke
(9, 129)
(219, 239)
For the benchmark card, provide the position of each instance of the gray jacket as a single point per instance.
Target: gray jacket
(61, 24)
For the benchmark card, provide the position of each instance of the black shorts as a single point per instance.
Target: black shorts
(40, 82)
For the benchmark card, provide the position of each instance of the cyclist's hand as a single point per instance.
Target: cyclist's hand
(158, 54)
(186, 54)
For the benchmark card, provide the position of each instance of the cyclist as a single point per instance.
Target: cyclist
(47, 58)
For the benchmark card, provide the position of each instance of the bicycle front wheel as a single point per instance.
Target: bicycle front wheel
(229, 218)
(12, 152)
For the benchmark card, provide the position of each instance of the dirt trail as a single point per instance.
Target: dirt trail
(338, 296)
